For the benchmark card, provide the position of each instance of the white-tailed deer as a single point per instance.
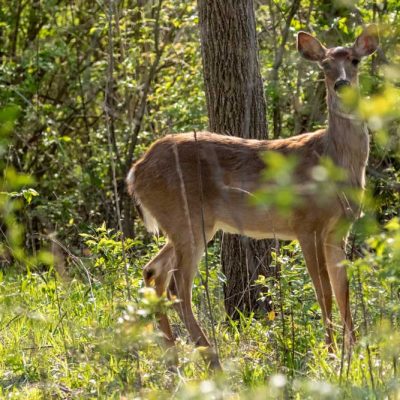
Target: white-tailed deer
(191, 185)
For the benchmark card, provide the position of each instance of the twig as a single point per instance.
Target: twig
(205, 282)
(365, 323)
(109, 123)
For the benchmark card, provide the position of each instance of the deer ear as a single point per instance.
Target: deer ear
(367, 43)
(310, 47)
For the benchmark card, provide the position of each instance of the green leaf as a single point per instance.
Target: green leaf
(28, 194)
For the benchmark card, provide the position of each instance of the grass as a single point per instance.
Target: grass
(81, 339)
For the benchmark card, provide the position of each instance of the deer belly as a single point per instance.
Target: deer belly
(261, 229)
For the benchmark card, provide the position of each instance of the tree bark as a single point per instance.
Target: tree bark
(236, 106)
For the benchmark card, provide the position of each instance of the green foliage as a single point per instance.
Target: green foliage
(283, 191)
(14, 187)
(280, 191)
(55, 72)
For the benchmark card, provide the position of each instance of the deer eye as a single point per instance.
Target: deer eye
(326, 65)
(355, 62)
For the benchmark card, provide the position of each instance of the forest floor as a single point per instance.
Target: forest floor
(80, 337)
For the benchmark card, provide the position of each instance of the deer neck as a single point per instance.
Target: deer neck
(347, 141)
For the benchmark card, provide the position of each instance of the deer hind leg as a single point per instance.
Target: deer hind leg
(338, 276)
(180, 286)
(313, 250)
(157, 274)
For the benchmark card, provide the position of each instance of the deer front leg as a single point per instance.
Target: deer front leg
(313, 250)
(340, 284)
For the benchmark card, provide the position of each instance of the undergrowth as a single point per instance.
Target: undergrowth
(80, 337)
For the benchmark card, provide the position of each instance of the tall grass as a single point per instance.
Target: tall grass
(81, 338)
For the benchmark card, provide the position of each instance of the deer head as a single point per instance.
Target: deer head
(340, 64)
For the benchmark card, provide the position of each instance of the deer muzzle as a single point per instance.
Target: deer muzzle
(340, 84)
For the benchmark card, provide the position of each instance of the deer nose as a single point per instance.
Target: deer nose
(341, 83)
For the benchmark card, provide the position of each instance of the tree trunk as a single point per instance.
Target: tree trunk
(236, 106)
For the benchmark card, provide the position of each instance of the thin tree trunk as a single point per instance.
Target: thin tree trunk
(279, 51)
(236, 106)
